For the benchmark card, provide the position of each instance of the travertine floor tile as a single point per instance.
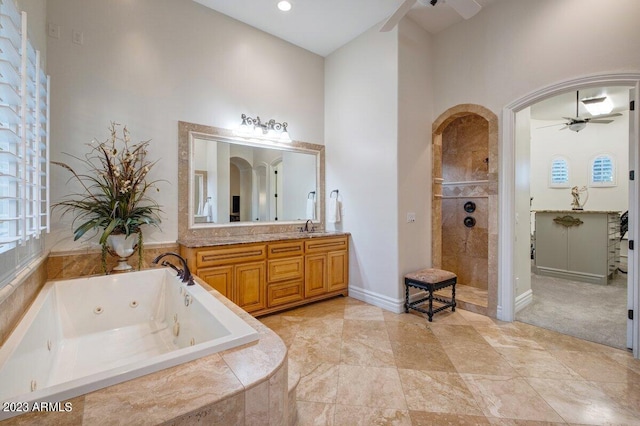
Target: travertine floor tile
(370, 387)
(509, 397)
(453, 334)
(363, 313)
(537, 363)
(367, 352)
(365, 416)
(315, 414)
(364, 329)
(423, 418)
(320, 384)
(478, 359)
(596, 366)
(437, 392)
(582, 402)
(410, 332)
(421, 356)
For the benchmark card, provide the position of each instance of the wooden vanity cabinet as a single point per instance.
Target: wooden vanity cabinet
(238, 272)
(326, 264)
(270, 277)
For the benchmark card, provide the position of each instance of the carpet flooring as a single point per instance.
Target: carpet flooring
(591, 312)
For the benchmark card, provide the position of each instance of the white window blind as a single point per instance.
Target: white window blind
(602, 171)
(24, 135)
(559, 172)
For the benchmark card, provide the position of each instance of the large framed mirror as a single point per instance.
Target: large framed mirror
(231, 185)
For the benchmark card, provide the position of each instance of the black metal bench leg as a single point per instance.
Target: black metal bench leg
(406, 298)
(453, 297)
(430, 313)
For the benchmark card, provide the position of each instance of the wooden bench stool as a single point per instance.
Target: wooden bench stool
(430, 280)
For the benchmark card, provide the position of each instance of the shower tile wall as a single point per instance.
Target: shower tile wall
(465, 172)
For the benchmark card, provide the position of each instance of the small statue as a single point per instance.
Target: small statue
(575, 193)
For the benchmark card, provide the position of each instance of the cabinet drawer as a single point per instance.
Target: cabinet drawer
(285, 269)
(320, 245)
(227, 255)
(282, 293)
(285, 249)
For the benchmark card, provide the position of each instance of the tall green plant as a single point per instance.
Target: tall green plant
(114, 188)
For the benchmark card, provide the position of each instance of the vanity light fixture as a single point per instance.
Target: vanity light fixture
(284, 6)
(598, 106)
(253, 127)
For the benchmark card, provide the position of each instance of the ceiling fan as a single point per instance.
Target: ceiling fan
(465, 8)
(578, 123)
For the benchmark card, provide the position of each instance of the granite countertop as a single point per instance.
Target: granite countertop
(213, 386)
(575, 211)
(194, 242)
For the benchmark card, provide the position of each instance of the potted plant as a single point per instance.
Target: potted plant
(113, 200)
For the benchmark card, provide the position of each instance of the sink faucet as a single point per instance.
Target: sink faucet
(184, 274)
(306, 226)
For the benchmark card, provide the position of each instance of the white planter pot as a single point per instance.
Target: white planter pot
(122, 247)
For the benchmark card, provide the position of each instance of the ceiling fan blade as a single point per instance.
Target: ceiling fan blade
(571, 118)
(598, 117)
(601, 121)
(397, 15)
(553, 125)
(566, 126)
(465, 8)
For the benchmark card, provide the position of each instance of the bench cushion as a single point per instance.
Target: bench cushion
(430, 275)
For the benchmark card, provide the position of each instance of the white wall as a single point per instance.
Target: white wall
(512, 48)
(579, 149)
(150, 63)
(524, 169)
(415, 115)
(361, 131)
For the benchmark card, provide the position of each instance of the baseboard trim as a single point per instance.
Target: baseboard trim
(377, 299)
(524, 300)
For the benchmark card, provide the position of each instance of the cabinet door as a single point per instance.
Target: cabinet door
(250, 283)
(315, 277)
(337, 271)
(551, 242)
(220, 278)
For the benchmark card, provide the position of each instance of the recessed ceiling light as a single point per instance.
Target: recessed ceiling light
(284, 6)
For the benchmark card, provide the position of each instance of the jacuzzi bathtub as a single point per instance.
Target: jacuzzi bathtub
(84, 334)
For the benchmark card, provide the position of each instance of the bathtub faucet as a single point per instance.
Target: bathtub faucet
(184, 274)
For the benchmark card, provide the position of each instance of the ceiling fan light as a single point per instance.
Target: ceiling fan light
(598, 106)
(284, 6)
(576, 127)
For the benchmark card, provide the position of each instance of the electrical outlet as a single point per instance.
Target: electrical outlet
(77, 37)
(411, 217)
(53, 30)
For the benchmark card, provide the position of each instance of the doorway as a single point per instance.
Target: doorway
(464, 206)
(577, 171)
(510, 187)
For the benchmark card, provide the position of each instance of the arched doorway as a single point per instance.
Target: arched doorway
(465, 187)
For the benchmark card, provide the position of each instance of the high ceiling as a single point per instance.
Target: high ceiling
(323, 26)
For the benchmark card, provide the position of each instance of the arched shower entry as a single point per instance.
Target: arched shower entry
(465, 203)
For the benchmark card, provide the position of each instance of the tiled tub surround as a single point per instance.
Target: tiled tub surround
(84, 334)
(245, 385)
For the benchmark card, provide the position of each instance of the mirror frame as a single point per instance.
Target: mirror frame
(187, 229)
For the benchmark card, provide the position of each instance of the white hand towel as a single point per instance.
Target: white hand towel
(333, 211)
(311, 209)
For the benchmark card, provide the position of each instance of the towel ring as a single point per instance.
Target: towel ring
(331, 194)
(312, 195)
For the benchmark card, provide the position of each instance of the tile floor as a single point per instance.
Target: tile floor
(361, 365)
